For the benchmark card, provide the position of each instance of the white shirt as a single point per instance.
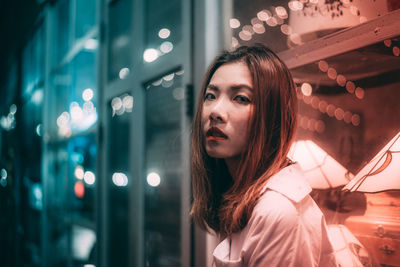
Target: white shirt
(286, 228)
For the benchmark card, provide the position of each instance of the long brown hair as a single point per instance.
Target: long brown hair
(219, 202)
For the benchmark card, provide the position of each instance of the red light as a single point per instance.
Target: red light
(79, 189)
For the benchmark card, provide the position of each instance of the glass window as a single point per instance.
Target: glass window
(163, 168)
(74, 96)
(349, 138)
(61, 31)
(85, 17)
(285, 24)
(118, 179)
(163, 28)
(119, 33)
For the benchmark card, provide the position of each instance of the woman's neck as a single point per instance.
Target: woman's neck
(232, 164)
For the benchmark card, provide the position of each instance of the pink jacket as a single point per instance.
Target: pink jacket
(286, 228)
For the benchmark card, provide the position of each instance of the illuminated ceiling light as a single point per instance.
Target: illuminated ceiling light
(259, 28)
(63, 119)
(120, 179)
(281, 12)
(39, 129)
(87, 94)
(37, 97)
(76, 111)
(321, 170)
(341, 80)
(359, 93)
(116, 103)
(316, 1)
(272, 22)
(248, 29)
(13, 109)
(245, 36)
(88, 106)
(157, 83)
(127, 101)
(89, 177)
(79, 172)
(169, 77)
(295, 5)
(315, 102)
(306, 89)
(347, 117)
(234, 23)
(164, 33)
(91, 44)
(388, 42)
(323, 65)
(339, 113)
(350, 87)
(355, 119)
(255, 21)
(322, 106)
(153, 179)
(286, 29)
(79, 189)
(264, 15)
(332, 73)
(150, 55)
(123, 73)
(330, 110)
(279, 21)
(166, 47)
(396, 51)
(179, 72)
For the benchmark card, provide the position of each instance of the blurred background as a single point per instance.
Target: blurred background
(96, 103)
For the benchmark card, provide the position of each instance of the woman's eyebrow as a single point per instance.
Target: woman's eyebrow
(241, 86)
(212, 87)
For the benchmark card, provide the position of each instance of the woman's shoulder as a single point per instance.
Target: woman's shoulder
(274, 207)
(284, 196)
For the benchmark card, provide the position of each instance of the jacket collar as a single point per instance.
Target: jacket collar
(289, 182)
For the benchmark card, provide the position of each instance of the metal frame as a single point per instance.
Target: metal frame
(370, 32)
(141, 73)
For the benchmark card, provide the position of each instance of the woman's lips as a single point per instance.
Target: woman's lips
(215, 134)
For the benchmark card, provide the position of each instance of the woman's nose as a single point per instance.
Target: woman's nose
(218, 112)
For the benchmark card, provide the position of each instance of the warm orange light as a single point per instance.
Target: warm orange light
(332, 73)
(359, 93)
(79, 189)
(323, 65)
(350, 87)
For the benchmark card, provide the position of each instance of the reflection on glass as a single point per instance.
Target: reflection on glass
(163, 170)
(349, 120)
(119, 52)
(118, 179)
(288, 23)
(163, 28)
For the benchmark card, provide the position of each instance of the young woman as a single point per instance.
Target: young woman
(244, 186)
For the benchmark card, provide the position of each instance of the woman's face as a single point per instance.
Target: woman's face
(227, 105)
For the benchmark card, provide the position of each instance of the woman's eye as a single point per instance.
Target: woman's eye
(242, 99)
(209, 96)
